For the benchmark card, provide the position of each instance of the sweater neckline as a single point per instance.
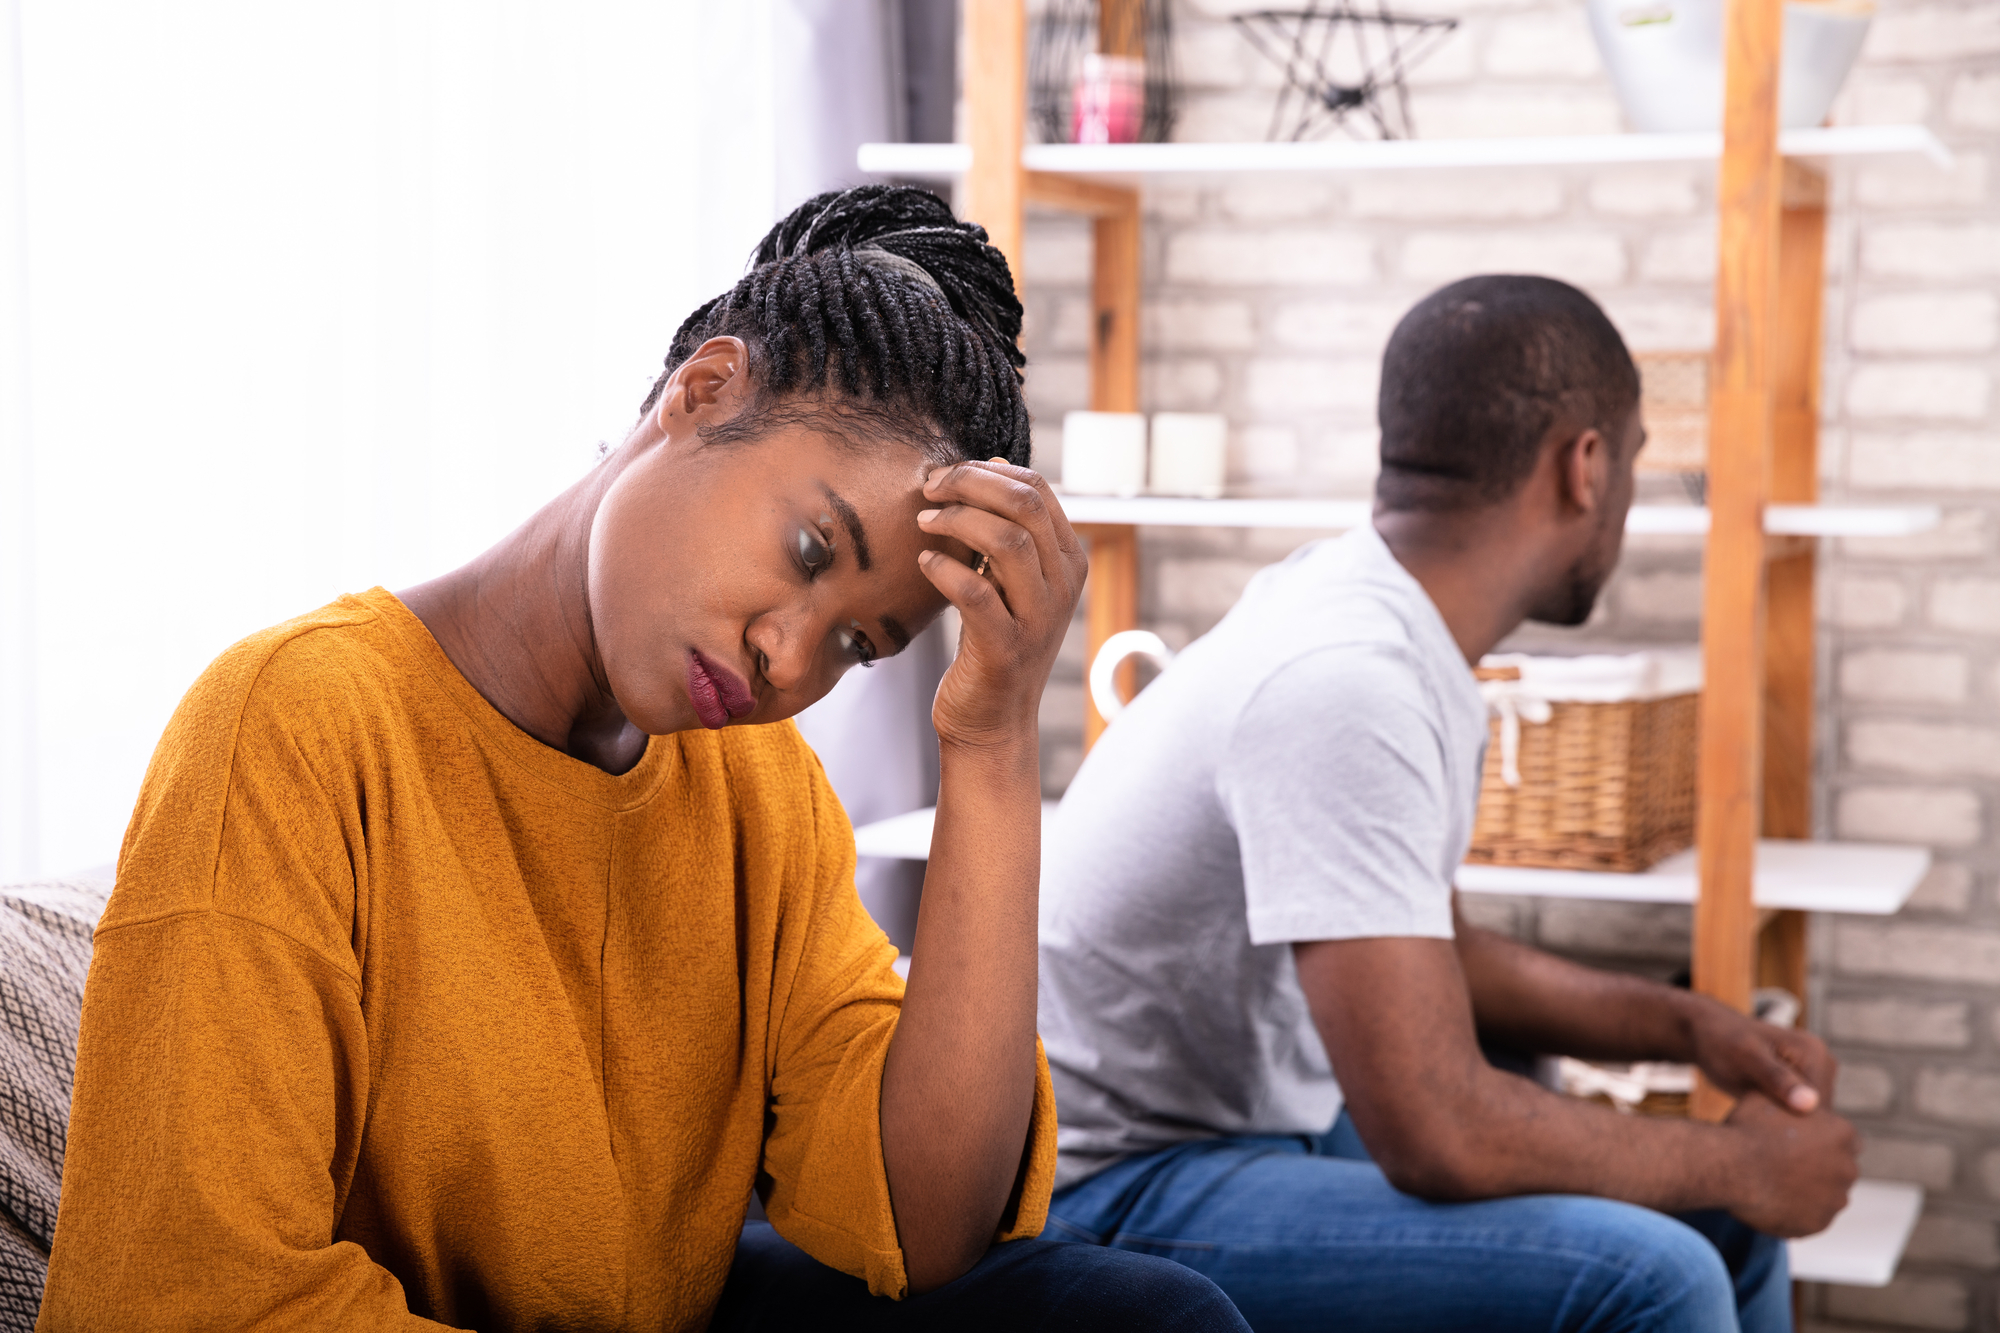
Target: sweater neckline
(565, 773)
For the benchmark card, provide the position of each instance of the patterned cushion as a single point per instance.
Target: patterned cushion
(45, 931)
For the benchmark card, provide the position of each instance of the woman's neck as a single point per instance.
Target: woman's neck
(516, 624)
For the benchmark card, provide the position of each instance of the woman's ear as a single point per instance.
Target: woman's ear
(707, 386)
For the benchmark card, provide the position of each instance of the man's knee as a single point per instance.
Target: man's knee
(1662, 1274)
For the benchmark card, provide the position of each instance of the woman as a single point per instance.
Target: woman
(476, 950)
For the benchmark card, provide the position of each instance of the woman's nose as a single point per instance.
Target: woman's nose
(787, 647)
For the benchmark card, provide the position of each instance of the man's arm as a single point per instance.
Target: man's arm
(1533, 1001)
(1396, 1016)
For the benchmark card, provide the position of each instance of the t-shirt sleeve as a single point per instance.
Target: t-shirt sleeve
(1334, 780)
(827, 1188)
(222, 1065)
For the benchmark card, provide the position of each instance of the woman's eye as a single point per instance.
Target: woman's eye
(856, 645)
(814, 553)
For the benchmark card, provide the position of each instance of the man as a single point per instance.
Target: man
(1254, 977)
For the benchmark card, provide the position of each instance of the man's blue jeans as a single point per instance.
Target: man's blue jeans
(1306, 1234)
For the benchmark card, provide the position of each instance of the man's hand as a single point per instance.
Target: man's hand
(1742, 1055)
(1396, 1017)
(1797, 1168)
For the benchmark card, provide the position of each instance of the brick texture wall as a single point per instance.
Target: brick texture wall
(1269, 300)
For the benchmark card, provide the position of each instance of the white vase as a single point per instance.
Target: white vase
(1190, 454)
(1665, 59)
(1104, 453)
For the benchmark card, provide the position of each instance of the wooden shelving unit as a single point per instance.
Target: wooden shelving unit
(1755, 766)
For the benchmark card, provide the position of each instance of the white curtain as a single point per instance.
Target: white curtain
(839, 86)
(301, 298)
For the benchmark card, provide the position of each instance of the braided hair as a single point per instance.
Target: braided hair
(877, 308)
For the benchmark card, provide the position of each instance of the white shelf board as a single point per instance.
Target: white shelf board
(1170, 512)
(1795, 520)
(1337, 515)
(1866, 879)
(1140, 160)
(1865, 1242)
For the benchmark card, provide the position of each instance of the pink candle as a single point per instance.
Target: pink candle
(1110, 100)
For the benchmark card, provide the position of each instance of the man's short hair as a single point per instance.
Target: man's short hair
(1475, 376)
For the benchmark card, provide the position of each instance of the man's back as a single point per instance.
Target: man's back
(1217, 822)
(1248, 892)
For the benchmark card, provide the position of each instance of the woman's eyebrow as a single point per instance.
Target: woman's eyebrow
(851, 521)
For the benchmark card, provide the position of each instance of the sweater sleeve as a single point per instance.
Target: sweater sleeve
(222, 1067)
(827, 1187)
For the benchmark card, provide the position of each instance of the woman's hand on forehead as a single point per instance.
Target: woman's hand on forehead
(1016, 607)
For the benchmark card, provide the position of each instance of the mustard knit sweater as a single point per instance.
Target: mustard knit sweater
(400, 1016)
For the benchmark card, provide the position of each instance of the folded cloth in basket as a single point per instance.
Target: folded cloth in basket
(1601, 678)
(45, 931)
(1596, 678)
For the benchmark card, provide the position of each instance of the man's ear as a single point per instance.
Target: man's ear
(1586, 469)
(713, 379)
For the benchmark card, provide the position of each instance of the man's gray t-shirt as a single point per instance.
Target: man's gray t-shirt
(1308, 770)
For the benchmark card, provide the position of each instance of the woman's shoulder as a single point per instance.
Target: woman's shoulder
(343, 652)
(260, 732)
(323, 674)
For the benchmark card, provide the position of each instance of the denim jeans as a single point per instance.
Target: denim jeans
(1307, 1234)
(775, 1287)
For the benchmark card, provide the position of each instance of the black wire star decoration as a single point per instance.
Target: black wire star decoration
(1344, 66)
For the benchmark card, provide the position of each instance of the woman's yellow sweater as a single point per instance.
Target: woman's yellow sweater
(400, 1016)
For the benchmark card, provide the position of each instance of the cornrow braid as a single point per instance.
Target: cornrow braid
(879, 295)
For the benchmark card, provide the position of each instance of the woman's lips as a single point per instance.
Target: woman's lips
(719, 694)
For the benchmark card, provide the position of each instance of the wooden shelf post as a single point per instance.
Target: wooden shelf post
(1113, 589)
(1116, 240)
(1788, 639)
(996, 103)
(996, 190)
(1739, 478)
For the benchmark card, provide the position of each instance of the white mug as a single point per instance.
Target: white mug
(1111, 655)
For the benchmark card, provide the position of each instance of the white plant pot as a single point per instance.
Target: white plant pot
(1665, 59)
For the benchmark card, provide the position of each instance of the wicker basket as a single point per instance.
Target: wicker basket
(1674, 398)
(1603, 786)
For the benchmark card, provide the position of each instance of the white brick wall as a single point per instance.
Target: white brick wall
(1939, 251)
(1897, 1022)
(1889, 675)
(1975, 101)
(1924, 460)
(1927, 322)
(1586, 258)
(1269, 300)
(1923, 390)
(1287, 258)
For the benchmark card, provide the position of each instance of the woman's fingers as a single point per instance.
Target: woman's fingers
(1015, 615)
(976, 599)
(1023, 497)
(1017, 564)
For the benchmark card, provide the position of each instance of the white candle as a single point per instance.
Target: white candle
(1190, 453)
(1104, 453)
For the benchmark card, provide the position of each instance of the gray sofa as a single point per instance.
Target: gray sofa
(45, 930)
